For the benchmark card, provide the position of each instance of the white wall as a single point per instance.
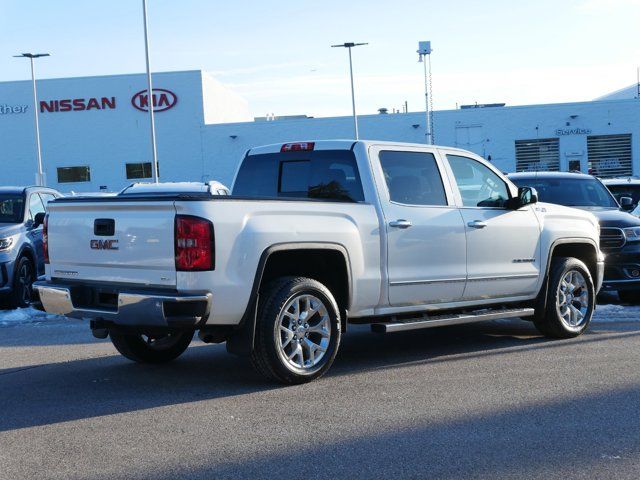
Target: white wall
(105, 139)
(485, 131)
(192, 147)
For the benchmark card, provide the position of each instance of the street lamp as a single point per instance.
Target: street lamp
(424, 56)
(150, 93)
(40, 181)
(349, 46)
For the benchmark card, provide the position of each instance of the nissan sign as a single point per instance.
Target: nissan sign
(162, 100)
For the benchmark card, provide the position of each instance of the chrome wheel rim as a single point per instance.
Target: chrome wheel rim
(573, 300)
(303, 332)
(24, 283)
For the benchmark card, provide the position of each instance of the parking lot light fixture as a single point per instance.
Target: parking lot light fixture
(349, 46)
(40, 180)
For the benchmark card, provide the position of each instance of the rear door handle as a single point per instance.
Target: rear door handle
(400, 223)
(477, 224)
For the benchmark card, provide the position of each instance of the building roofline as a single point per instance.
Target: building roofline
(55, 79)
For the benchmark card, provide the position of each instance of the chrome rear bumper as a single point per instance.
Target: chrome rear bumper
(128, 308)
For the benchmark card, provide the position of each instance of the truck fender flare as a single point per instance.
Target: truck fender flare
(542, 295)
(241, 341)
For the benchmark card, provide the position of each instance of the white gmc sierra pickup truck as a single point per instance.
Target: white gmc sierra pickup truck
(316, 235)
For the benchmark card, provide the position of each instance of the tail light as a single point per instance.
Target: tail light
(194, 244)
(298, 147)
(45, 238)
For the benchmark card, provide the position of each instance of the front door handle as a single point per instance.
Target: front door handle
(477, 224)
(400, 223)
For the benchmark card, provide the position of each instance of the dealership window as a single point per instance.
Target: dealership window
(139, 170)
(74, 174)
(540, 154)
(609, 155)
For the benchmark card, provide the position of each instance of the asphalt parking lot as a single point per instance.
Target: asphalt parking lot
(493, 400)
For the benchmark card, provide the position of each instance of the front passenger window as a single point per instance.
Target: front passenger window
(479, 186)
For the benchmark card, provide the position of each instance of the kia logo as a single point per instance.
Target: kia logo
(162, 100)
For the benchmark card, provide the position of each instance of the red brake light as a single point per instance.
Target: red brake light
(45, 238)
(194, 243)
(298, 147)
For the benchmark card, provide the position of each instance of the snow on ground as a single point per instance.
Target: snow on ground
(617, 313)
(607, 312)
(21, 316)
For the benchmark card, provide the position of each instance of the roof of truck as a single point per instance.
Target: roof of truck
(542, 175)
(339, 144)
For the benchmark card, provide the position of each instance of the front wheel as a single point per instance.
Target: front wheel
(152, 348)
(297, 330)
(570, 300)
(22, 283)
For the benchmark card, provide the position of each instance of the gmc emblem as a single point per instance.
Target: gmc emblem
(104, 244)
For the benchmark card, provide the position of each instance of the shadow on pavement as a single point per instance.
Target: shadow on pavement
(58, 392)
(590, 436)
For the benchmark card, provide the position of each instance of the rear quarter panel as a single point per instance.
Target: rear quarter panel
(244, 229)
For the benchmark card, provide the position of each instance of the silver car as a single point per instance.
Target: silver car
(22, 211)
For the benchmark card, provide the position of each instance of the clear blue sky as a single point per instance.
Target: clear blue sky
(276, 52)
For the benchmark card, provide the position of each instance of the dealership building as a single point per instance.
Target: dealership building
(95, 131)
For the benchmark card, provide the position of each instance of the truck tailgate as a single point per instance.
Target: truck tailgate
(121, 242)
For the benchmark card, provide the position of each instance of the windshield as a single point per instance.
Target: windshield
(11, 208)
(571, 192)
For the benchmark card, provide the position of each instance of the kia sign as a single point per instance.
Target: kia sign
(162, 100)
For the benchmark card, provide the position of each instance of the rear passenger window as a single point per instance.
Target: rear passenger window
(413, 178)
(322, 174)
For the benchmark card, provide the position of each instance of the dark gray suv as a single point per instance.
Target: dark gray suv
(21, 251)
(619, 230)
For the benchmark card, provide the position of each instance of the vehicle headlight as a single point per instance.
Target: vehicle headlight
(632, 234)
(6, 243)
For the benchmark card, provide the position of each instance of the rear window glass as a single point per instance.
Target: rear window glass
(294, 177)
(322, 174)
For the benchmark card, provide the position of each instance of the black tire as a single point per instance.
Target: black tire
(548, 319)
(22, 282)
(629, 296)
(153, 349)
(271, 349)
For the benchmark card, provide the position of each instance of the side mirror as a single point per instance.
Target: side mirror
(626, 203)
(526, 196)
(38, 220)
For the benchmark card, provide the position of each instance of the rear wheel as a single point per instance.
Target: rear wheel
(629, 296)
(297, 331)
(22, 283)
(570, 300)
(152, 348)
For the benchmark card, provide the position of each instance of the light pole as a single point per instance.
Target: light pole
(40, 180)
(349, 46)
(150, 93)
(424, 56)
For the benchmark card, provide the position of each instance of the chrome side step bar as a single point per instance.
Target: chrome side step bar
(426, 321)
